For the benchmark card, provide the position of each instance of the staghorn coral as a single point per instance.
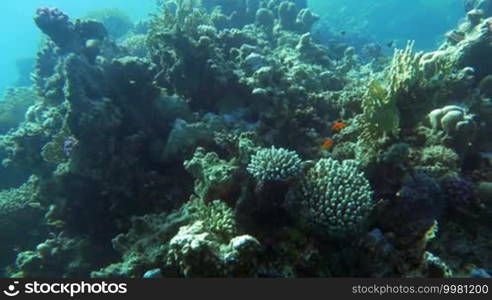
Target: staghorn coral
(334, 198)
(277, 164)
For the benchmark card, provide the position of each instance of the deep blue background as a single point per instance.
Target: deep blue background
(20, 36)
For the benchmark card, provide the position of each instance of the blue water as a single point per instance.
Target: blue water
(424, 21)
(21, 37)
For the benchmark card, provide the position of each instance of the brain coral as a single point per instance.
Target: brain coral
(274, 164)
(334, 198)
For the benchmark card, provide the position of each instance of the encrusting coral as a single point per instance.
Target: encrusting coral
(214, 178)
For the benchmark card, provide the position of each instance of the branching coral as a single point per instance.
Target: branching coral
(217, 217)
(404, 94)
(334, 198)
(403, 71)
(275, 164)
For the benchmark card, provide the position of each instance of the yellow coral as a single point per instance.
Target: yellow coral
(404, 70)
(380, 116)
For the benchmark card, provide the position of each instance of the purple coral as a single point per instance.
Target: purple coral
(460, 196)
(56, 25)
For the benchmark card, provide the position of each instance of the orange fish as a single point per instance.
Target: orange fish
(327, 144)
(337, 126)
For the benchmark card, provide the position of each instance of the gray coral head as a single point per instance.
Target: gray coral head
(334, 198)
(453, 120)
(275, 164)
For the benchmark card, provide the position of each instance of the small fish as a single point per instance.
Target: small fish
(338, 125)
(343, 32)
(327, 144)
(391, 44)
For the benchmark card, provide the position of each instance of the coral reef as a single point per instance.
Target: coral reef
(116, 21)
(58, 256)
(214, 178)
(455, 122)
(144, 246)
(14, 106)
(438, 161)
(19, 208)
(226, 139)
(196, 252)
(461, 197)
